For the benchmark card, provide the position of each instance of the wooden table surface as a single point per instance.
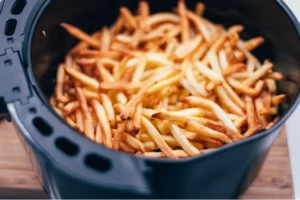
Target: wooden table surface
(17, 179)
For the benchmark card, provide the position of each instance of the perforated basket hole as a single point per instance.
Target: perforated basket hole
(42, 126)
(10, 27)
(66, 146)
(98, 163)
(18, 7)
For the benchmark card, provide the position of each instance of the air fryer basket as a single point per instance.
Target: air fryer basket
(71, 166)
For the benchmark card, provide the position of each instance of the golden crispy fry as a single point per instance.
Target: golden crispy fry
(200, 8)
(103, 121)
(87, 117)
(98, 54)
(278, 99)
(223, 61)
(162, 18)
(275, 75)
(211, 75)
(258, 74)
(105, 39)
(76, 32)
(82, 78)
(207, 132)
(253, 43)
(128, 17)
(107, 104)
(201, 102)
(233, 69)
(268, 111)
(157, 138)
(104, 73)
(183, 141)
(59, 91)
(252, 92)
(79, 120)
(202, 28)
(177, 153)
(139, 70)
(184, 22)
(144, 12)
(253, 124)
(137, 118)
(71, 122)
(198, 87)
(271, 85)
(127, 148)
(188, 48)
(70, 108)
(99, 134)
(132, 141)
(227, 102)
(198, 55)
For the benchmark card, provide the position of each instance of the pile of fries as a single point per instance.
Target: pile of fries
(167, 85)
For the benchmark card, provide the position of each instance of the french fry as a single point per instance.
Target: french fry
(276, 100)
(183, 141)
(105, 75)
(105, 39)
(59, 92)
(201, 102)
(76, 32)
(87, 117)
(128, 17)
(144, 12)
(139, 70)
(86, 53)
(223, 61)
(253, 125)
(132, 141)
(252, 92)
(254, 43)
(82, 78)
(233, 69)
(108, 107)
(103, 121)
(201, 27)
(157, 138)
(127, 148)
(275, 76)
(188, 48)
(211, 75)
(177, 153)
(162, 18)
(184, 22)
(258, 74)
(271, 85)
(200, 8)
(99, 134)
(207, 132)
(70, 108)
(137, 118)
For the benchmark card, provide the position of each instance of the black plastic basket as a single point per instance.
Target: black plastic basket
(71, 166)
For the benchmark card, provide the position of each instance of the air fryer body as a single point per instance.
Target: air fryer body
(70, 165)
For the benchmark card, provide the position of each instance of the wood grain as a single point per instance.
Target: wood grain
(17, 179)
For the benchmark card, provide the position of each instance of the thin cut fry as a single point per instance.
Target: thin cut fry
(102, 118)
(183, 141)
(76, 32)
(87, 117)
(157, 138)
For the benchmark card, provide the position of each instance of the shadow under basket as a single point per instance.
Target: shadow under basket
(70, 165)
